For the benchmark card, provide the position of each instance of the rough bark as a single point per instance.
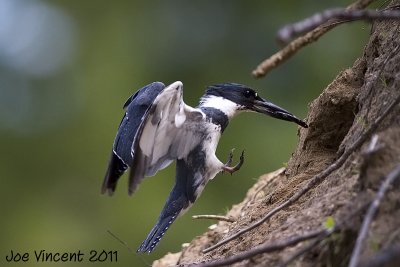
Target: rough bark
(343, 112)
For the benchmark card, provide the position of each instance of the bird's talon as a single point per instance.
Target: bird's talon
(230, 158)
(242, 156)
(235, 168)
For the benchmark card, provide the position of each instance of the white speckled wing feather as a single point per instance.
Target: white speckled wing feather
(168, 131)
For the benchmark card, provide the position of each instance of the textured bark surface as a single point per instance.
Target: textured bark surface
(343, 112)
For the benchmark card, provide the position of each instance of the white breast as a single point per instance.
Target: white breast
(214, 165)
(225, 105)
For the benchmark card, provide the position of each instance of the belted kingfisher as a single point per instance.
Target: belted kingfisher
(158, 128)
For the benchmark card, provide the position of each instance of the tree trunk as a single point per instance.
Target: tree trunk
(344, 112)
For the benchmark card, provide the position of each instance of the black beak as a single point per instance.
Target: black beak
(265, 107)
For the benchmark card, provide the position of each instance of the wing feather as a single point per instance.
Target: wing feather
(121, 156)
(167, 132)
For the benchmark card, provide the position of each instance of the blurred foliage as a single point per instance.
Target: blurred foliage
(57, 126)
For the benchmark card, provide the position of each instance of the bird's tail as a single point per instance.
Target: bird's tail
(175, 205)
(156, 234)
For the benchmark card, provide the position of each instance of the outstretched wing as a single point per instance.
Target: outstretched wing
(121, 157)
(169, 131)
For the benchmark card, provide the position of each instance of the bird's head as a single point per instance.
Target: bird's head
(232, 98)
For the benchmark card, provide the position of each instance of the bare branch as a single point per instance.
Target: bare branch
(285, 53)
(290, 31)
(319, 235)
(326, 234)
(389, 179)
(214, 217)
(262, 249)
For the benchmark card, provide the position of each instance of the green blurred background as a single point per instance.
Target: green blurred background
(67, 67)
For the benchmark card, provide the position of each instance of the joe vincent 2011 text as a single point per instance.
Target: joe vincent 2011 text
(51, 256)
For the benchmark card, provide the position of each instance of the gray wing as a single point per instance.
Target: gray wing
(121, 157)
(169, 131)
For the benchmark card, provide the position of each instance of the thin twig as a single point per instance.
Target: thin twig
(291, 241)
(262, 249)
(214, 217)
(389, 179)
(120, 240)
(289, 50)
(288, 32)
(337, 227)
(129, 249)
(314, 180)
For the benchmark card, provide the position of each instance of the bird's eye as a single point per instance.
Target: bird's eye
(248, 93)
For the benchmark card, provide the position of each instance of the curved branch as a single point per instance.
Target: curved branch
(262, 249)
(290, 31)
(284, 54)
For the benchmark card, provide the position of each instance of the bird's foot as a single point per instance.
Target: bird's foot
(228, 168)
(230, 158)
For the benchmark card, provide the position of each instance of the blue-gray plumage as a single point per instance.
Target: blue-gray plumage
(121, 156)
(158, 128)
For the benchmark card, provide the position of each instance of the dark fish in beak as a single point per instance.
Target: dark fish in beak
(263, 106)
